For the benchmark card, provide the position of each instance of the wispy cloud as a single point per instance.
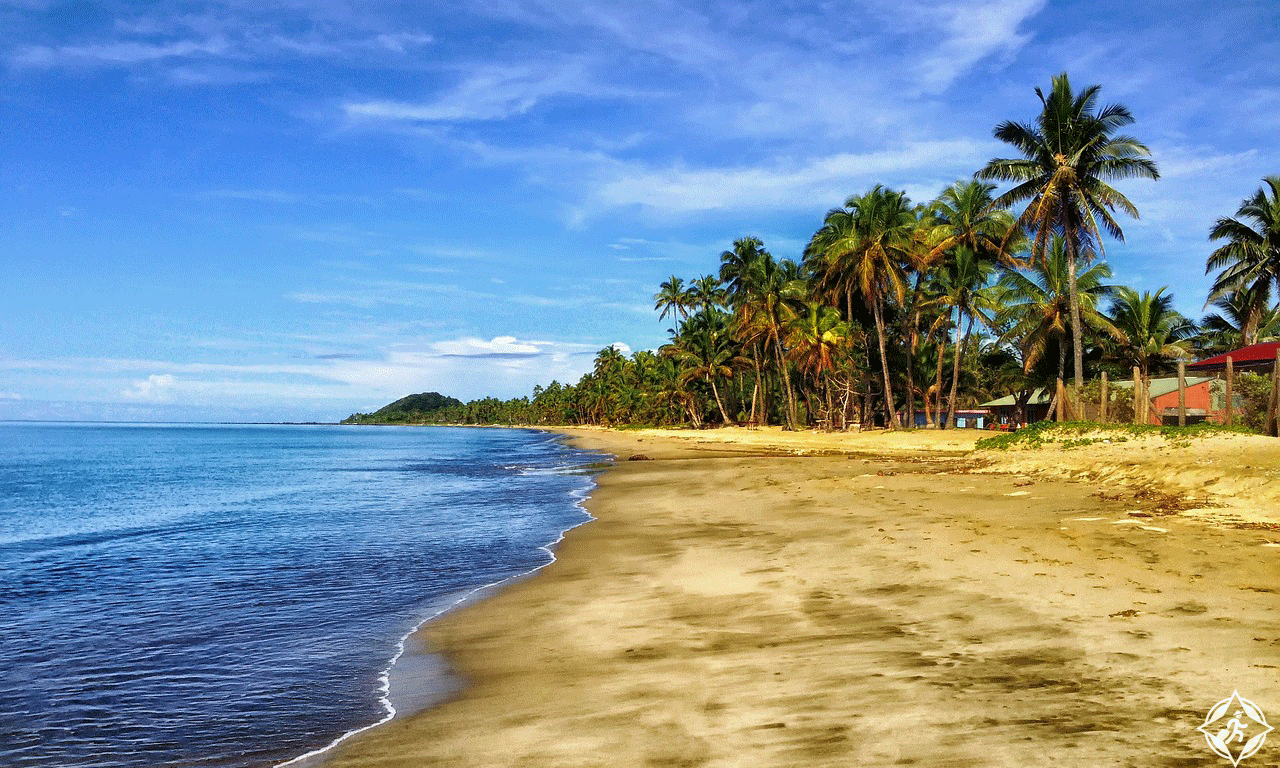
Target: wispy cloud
(487, 92)
(809, 184)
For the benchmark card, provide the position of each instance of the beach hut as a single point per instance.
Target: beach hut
(1005, 411)
(1205, 399)
(973, 418)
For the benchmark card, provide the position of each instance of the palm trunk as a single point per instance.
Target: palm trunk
(1077, 333)
(961, 345)
(937, 391)
(786, 383)
(724, 417)
(755, 391)
(913, 342)
(891, 417)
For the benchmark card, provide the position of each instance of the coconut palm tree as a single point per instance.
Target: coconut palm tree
(1068, 156)
(964, 215)
(1250, 259)
(960, 284)
(705, 352)
(776, 291)
(705, 293)
(672, 298)
(864, 246)
(1241, 320)
(739, 268)
(1154, 333)
(1037, 305)
(816, 337)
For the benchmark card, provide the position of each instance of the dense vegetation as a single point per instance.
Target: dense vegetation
(902, 307)
(414, 409)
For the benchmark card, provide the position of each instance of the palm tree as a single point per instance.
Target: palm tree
(961, 283)
(705, 293)
(1037, 305)
(672, 298)
(964, 215)
(704, 350)
(1154, 332)
(1241, 320)
(776, 288)
(1069, 154)
(865, 245)
(738, 270)
(1250, 260)
(815, 337)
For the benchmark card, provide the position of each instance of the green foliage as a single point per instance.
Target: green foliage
(1252, 392)
(1076, 434)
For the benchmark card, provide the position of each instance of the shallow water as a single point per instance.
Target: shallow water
(233, 595)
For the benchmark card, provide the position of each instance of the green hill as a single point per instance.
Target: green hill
(422, 408)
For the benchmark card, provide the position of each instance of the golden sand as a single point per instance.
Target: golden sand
(759, 598)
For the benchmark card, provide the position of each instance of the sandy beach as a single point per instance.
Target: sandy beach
(759, 598)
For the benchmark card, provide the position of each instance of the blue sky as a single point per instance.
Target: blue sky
(255, 210)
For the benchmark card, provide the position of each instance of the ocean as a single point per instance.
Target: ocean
(234, 596)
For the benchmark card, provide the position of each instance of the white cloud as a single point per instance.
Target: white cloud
(156, 388)
(496, 347)
(808, 185)
(970, 33)
(113, 53)
(487, 92)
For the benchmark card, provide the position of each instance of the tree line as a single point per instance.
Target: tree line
(897, 308)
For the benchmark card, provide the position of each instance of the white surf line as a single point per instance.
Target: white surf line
(384, 679)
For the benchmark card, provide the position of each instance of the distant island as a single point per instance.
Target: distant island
(424, 408)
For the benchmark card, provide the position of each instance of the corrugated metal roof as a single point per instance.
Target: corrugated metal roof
(1253, 354)
(1155, 388)
(1039, 397)
(1163, 385)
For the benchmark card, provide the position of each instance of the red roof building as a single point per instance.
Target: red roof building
(1256, 358)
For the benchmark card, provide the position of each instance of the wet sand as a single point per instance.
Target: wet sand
(736, 607)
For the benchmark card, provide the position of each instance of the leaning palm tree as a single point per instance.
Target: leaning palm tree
(1241, 319)
(865, 244)
(705, 352)
(1068, 155)
(1250, 260)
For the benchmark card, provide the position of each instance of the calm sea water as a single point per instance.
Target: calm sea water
(233, 595)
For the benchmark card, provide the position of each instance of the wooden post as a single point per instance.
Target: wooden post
(1102, 401)
(1139, 413)
(1182, 394)
(1061, 407)
(1231, 380)
(1272, 427)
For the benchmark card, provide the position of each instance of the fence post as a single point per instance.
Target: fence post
(1102, 401)
(1231, 376)
(1182, 393)
(1272, 427)
(1139, 413)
